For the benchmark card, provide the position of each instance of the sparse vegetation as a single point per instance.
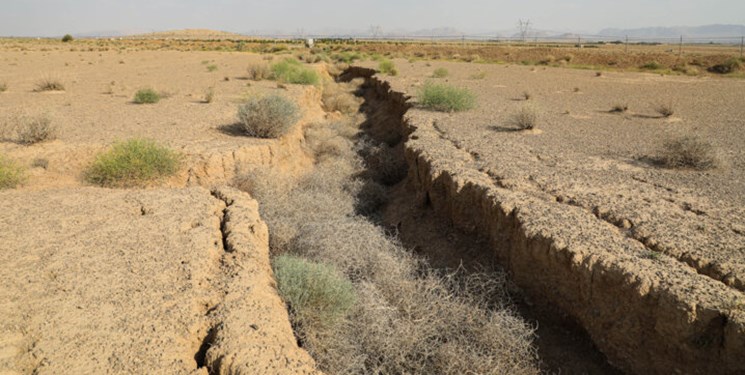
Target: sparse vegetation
(135, 162)
(336, 99)
(3, 87)
(209, 95)
(387, 67)
(446, 98)
(406, 318)
(478, 76)
(35, 129)
(67, 38)
(212, 68)
(440, 73)
(40, 163)
(527, 95)
(146, 96)
(258, 72)
(268, 117)
(49, 84)
(652, 65)
(730, 66)
(11, 174)
(316, 293)
(292, 71)
(524, 119)
(687, 152)
(665, 109)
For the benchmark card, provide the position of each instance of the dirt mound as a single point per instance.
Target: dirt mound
(165, 281)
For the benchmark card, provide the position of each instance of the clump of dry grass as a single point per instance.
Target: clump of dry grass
(49, 84)
(478, 76)
(337, 98)
(35, 129)
(440, 73)
(3, 87)
(258, 72)
(665, 109)
(209, 95)
(524, 119)
(687, 152)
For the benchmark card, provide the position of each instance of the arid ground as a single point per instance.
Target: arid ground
(643, 263)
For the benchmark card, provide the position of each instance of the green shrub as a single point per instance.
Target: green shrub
(687, 152)
(134, 162)
(146, 96)
(49, 84)
(317, 294)
(292, 71)
(445, 98)
(652, 65)
(10, 173)
(211, 68)
(387, 67)
(440, 73)
(347, 57)
(268, 117)
(67, 38)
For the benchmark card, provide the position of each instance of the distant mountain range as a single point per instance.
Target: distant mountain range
(702, 32)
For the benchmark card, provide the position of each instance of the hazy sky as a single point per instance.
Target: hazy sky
(57, 17)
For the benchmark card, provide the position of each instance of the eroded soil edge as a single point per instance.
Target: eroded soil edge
(646, 315)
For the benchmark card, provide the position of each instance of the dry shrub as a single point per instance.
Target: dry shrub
(268, 117)
(384, 164)
(524, 119)
(209, 95)
(665, 109)
(35, 129)
(407, 319)
(3, 86)
(688, 152)
(49, 84)
(258, 72)
(337, 98)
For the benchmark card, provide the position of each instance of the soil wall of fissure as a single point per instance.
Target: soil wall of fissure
(648, 316)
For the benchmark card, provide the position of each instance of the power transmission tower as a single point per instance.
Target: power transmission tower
(523, 26)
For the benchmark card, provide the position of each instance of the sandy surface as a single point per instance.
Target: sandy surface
(96, 109)
(102, 281)
(596, 160)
